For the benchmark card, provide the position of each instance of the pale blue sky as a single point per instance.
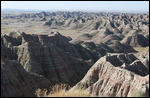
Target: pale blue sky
(78, 5)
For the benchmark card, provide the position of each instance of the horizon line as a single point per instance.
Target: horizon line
(134, 11)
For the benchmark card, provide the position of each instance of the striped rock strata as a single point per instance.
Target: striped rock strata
(105, 79)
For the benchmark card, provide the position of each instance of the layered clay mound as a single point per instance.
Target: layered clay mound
(93, 32)
(99, 49)
(90, 51)
(7, 52)
(121, 48)
(105, 79)
(51, 62)
(53, 38)
(129, 62)
(15, 81)
(108, 39)
(116, 22)
(119, 59)
(90, 56)
(125, 28)
(9, 41)
(84, 37)
(89, 45)
(51, 56)
(88, 21)
(14, 34)
(135, 40)
(60, 41)
(98, 37)
(147, 36)
(144, 57)
(102, 34)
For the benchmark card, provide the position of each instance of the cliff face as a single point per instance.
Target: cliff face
(38, 61)
(15, 81)
(54, 38)
(51, 56)
(51, 62)
(106, 79)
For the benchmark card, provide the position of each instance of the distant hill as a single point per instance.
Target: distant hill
(38, 10)
(19, 10)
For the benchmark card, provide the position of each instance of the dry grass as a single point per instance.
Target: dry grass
(140, 49)
(139, 93)
(60, 91)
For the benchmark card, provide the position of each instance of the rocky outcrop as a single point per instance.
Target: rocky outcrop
(9, 41)
(43, 60)
(107, 77)
(121, 48)
(108, 39)
(51, 56)
(144, 57)
(6, 52)
(118, 23)
(101, 35)
(135, 40)
(84, 37)
(51, 62)
(15, 81)
(91, 51)
(105, 36)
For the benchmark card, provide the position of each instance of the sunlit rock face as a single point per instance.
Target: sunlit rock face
(116, 76)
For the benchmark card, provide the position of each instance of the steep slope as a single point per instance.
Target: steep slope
(105, 78)
(135, 40)
(15, 81)
(51, 56)
(51, 62)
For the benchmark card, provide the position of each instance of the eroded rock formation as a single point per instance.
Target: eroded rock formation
(109, 77)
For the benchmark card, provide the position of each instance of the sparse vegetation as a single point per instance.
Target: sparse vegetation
(140, 49)
(61, 91)
(138, 93)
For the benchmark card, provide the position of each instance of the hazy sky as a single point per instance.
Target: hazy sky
(78, 5)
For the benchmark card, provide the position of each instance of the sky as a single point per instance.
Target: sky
(78, 5)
